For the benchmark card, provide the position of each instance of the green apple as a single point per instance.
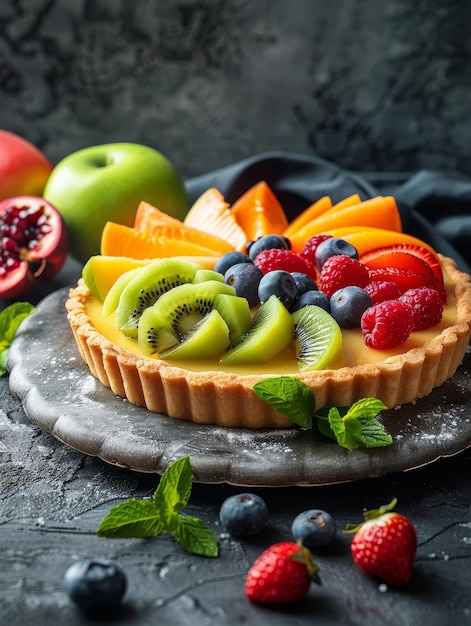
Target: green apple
(106, 183)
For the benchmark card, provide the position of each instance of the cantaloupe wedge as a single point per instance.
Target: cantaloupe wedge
(312, 212)
(366, 238)
(149, 216)
(211, 213)
(151, 220)
(379, 212)
(192, 235)
(259, 212)
(120, 240)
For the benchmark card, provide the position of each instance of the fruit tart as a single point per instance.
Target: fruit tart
(184, 317)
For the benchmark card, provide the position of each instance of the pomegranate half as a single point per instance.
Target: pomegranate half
(33, 244)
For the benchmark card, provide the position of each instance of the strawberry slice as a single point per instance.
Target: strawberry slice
(388, 256)
(407, 279)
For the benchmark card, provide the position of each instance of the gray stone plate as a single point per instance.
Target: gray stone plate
(60, 396)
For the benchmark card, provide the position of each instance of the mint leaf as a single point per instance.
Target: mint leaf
(374, 434)
(174, 491)
(347, 432)
(193, 535)
(147, 518)
(355, 426)
(288, 396)
(134, 518)
(10, 320)
(366, 408)
(351, 427)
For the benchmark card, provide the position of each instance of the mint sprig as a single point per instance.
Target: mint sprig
(10, 320)
(149, 518)
(351, 427)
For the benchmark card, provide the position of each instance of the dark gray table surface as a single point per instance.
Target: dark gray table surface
(53, 499)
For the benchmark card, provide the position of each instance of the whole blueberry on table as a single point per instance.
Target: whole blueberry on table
(244, 514)
(245, 278)
(95, 584)
(314, 528)
(280, 284)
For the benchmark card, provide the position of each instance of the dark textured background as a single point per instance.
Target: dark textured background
(368, 85)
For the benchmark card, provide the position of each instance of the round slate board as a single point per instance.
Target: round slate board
(60, 396)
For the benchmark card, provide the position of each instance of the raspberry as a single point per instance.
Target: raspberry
(388, 324)
(426, 305)
(381, 290)
(309, 249)
(342, 271)
(277, 259)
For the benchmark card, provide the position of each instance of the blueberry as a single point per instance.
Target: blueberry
(303, 282)
(245, 278)
(244, 514)
(311, 297)
(229, 259)
(95, 584)
(268, 242)
(314, 527)
(348, 304)
(278, 283)
(332, 247)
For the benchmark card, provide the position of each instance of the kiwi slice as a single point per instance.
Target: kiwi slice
(236, 313)
(176, 312)
(207, 274)
(111, 300)
(208, 338)
(271, 330)
(147, 287)
(317, 338)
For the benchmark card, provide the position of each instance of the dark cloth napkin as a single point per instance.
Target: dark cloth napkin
(434, 206)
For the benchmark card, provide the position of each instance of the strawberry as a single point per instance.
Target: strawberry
(384, 545)
(282, 574)
(427, 256)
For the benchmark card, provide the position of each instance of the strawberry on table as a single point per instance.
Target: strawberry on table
(384, 545)
(282, 574)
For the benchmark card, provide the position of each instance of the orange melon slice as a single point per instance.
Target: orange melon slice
(152, 220)
(148, 217)
(193, 235)
(312, 212)
(259, 212)
(379, 212)
(365, 239)
(211, 214)
(120, 240)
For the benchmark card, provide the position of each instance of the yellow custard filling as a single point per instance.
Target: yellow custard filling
(355, 352)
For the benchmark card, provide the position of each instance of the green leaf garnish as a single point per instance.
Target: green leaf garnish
(191, 532)
(134, 518)
(173, 492)
(288, 396)
(148, 518)
(10, 320)
(351, 427)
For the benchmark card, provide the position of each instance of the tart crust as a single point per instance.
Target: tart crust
(226, 399)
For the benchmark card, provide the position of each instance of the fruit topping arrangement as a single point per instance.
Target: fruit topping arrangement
(243, 285)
